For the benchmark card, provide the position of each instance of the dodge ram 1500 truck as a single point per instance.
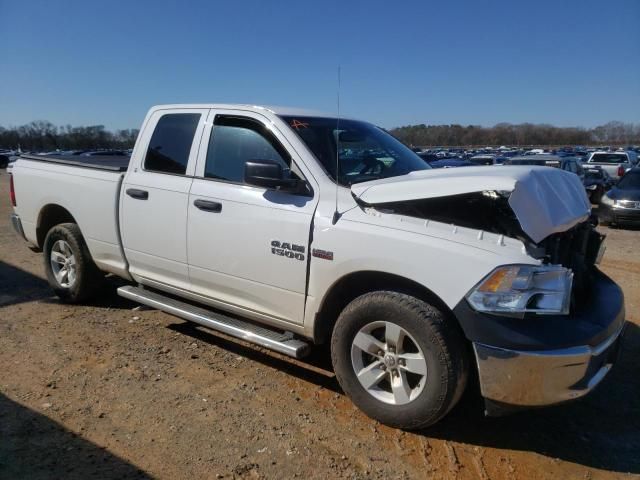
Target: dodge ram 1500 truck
(287, 228)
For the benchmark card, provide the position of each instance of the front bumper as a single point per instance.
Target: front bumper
(546, 359)
(537, 378)
(619, 215)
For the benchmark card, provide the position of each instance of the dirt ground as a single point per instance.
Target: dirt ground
(106, 391)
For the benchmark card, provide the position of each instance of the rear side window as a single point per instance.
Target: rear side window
(170, 143)
(236, 140)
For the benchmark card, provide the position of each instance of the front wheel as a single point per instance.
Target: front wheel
(400, 359)
(71, 272)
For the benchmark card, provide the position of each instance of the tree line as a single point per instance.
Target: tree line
(45, 136)
(42, 136)
(612, 133)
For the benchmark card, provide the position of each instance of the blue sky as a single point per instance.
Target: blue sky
(482, 62)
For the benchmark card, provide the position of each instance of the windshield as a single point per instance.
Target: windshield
(631, 181)
(608, 158)
(366, 152)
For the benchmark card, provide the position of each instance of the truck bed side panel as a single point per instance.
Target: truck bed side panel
(89, 195)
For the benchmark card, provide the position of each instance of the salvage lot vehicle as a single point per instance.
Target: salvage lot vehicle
(435, 162)
(597, 182)
(570, 164)
(306, 229)
(615, 163)
(621, 205)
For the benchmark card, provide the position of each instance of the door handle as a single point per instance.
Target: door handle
(208, 206)
(138, 194)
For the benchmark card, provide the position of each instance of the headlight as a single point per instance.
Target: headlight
(544, 289)
(607, 200)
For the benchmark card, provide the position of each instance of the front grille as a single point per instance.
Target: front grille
(627, 217)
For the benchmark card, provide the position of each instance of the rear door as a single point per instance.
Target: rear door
(248, 246)
(153, 208)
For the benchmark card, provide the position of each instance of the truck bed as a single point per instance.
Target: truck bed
(112, 163)
(88, 188)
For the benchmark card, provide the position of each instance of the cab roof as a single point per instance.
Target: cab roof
(276, 110)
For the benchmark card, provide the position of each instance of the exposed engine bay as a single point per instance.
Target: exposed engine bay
(576, 248)
(488, 211)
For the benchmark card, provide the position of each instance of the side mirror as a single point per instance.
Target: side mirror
(268, 174)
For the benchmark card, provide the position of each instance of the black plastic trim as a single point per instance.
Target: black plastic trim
(208, 206)
(108, 163)
(137, 193)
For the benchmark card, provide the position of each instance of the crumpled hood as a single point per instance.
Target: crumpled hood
(545, 200)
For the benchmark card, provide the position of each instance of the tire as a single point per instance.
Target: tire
(83, 277)
(435, 338)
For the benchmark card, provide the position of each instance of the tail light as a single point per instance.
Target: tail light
(620, 170)
(12, 191)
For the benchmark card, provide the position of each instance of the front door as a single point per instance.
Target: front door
(248, 246)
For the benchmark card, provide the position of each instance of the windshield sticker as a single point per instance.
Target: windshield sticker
(297, 124)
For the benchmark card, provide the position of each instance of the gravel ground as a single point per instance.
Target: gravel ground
(110, 391)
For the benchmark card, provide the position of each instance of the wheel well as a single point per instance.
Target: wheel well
(50, 216)
(355, 284)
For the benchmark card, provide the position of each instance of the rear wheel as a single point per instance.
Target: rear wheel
(399, 359)
(71, 272)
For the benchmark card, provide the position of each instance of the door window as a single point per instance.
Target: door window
(236, 140)
(170, 144)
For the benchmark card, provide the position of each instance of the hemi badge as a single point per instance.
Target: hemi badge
(322, 254)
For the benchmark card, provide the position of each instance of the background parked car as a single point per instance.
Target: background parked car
(450, 163)
(597, 182)
(570, 164)
(621, 205)
(632, 154)
(428, 156)
(615, 163)
(483, 159)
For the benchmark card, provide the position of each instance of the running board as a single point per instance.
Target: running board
(282, 342)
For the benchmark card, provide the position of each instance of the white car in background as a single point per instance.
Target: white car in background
(615, 163)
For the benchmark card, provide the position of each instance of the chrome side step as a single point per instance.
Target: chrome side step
(283, 342)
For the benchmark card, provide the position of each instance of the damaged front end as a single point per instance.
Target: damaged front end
(488, 211)
(544, 208)
(541, 334)
(577, 248)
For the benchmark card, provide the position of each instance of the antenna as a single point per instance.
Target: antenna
(336, 214)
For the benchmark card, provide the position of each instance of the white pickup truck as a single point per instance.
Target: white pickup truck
(615, 163)
(287, 229)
